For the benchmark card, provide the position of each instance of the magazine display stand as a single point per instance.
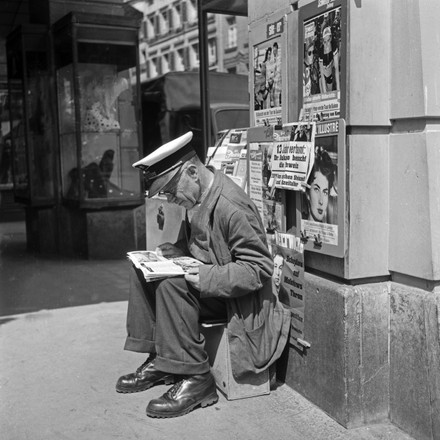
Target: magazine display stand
(97, 95)
(97, 77)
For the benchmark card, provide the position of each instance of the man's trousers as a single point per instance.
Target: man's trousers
(163, 318)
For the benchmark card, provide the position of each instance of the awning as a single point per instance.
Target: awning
(230, 7)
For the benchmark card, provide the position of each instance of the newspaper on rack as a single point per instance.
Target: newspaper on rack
(155, 267)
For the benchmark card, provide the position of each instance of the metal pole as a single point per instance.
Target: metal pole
(204, 76)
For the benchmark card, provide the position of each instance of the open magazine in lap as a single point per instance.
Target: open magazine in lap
(155, 267)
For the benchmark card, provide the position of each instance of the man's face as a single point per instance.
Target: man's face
(275, 51)
(318, 196)
(327, 37)
(278, 263)
(184, 190)
(309, 56)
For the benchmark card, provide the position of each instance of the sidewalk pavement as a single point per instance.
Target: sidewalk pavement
(62, 329)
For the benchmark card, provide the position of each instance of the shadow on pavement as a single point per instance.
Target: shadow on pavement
(30, 282)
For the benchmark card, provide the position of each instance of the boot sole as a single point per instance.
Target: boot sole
(166, 381)
(207, 401)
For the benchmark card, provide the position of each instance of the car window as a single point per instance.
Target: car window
(232, 118)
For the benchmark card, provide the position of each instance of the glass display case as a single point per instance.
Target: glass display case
(32, 120)
(97, 77)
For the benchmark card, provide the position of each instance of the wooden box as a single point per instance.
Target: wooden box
(217, 347)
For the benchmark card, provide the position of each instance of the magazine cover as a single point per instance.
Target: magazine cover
(322, 207)
(229, 155)
(269, 201)
(269, 72)
(322, 35)
(293, 155)
(288, 282)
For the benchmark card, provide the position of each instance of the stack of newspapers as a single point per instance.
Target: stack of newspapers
(155, 267)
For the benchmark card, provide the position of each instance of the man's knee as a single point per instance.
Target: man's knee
(176, 291)
(172, 285)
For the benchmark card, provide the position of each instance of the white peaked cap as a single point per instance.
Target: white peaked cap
(162, 165)
(163, 152)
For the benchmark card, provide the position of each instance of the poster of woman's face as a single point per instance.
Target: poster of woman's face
(320, 200)
(322, 64)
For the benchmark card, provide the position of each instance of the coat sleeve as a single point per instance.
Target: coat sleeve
(245, 264)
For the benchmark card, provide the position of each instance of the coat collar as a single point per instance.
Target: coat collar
(212, 196)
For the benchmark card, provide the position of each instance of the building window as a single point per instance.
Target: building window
(172, 61)
(232, 32)
(163, 17)
(212, 51)
(180, 60)
(153, 68)
(143, 51)
(165, 63)
(184, 13)
(194, 57)
(157, 66)
(156, 25)
(192, 11)
(168, 16)
(177, 13)
(150, 28)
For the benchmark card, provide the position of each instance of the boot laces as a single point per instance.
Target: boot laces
(150, 358)
(172, 392)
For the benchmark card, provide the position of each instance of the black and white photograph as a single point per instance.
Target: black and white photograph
(219, 220)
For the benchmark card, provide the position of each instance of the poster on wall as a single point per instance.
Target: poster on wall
(322, 60)
(268, 73)
(322, 204)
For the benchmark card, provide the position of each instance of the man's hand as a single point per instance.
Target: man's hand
(168, 250)
(192, 277)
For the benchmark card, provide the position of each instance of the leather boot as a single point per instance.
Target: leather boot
(184, 396)
(143, 378)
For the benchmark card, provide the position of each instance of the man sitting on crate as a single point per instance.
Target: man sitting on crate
(224, 230)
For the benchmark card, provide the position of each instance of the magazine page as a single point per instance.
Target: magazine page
(155, 267)
(138, 257)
